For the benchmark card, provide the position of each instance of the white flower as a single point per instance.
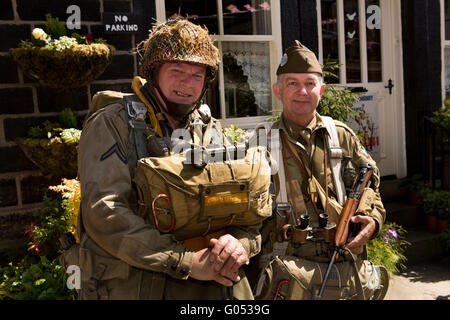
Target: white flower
(39, 34)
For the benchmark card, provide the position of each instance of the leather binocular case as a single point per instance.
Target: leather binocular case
(306, 231)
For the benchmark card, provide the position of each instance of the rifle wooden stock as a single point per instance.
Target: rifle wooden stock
(343, 227)
(351, 205)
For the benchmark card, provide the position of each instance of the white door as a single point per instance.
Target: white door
(364, 36)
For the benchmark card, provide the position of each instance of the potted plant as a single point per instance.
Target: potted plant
(444, 237)
(39, 275)
(443, 214)
(414, 185)
(436, 208)
(52, 146)
(59, 61)
(429, 209)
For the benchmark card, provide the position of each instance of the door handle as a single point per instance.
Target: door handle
(390, 86)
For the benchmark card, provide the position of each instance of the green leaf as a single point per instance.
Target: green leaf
(54, 27)
(39, 282)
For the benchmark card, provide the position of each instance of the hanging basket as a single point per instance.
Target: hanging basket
(68, 68)
(54, 157)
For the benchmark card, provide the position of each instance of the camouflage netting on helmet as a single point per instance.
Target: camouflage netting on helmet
(178, 41)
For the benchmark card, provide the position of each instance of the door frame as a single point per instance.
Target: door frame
(391, 12)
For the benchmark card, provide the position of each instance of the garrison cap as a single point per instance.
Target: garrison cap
(299, 59)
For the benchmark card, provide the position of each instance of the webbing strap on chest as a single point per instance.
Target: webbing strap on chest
(276, 152)
(137, 143)
(335, 158)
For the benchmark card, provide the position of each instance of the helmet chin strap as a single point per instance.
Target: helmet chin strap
(180, 111)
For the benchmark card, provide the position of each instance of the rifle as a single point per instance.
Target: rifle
(349, 210)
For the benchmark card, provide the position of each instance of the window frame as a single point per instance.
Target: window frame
(275, 53)
(445, 44)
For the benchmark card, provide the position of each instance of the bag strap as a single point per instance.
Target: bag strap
(335, 158)
(137, 143)
(276, 152)
(384, 284)
(358, 284)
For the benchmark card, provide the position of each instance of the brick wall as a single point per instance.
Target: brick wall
(24, 103)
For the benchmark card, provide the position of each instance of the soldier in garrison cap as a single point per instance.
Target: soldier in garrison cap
(310, 186)
(121, 256)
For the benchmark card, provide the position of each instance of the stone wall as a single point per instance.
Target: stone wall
(24, 103)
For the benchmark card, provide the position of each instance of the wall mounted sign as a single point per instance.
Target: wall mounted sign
(366, 125)
(120, 23)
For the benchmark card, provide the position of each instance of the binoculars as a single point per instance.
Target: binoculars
(307, 231)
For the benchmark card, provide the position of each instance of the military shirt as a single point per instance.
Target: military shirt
(309, 144)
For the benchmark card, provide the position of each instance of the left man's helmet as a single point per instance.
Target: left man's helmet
(178, 41)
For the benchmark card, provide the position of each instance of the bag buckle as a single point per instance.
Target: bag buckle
(138, 110)
(285, 207)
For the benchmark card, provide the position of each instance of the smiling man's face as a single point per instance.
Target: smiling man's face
(181, 82)
(300, 94)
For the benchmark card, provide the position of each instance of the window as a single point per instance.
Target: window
(350, 32)
(446, 46)
(248, 36)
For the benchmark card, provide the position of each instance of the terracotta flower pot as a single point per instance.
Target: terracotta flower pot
(415, 198)
(431, 223)
(441, 225)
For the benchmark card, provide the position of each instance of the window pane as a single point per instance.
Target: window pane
(447, 19)
(447, 72)
(373, 31)
(247, 78)
(212, 98)
(247, 17)
(200, 12)
(330, 36)
(352, 50)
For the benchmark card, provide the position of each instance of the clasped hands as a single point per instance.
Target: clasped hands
(220, 261)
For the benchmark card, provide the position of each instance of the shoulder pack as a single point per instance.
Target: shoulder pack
(189, 200)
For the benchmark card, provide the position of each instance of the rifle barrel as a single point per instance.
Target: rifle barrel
(324, 283)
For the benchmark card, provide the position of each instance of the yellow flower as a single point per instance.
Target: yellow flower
(39, 34)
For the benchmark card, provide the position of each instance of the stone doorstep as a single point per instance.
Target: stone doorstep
(390, 191)
(402, 213)
(425, 245)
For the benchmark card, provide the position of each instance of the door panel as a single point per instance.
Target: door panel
(363, 36)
